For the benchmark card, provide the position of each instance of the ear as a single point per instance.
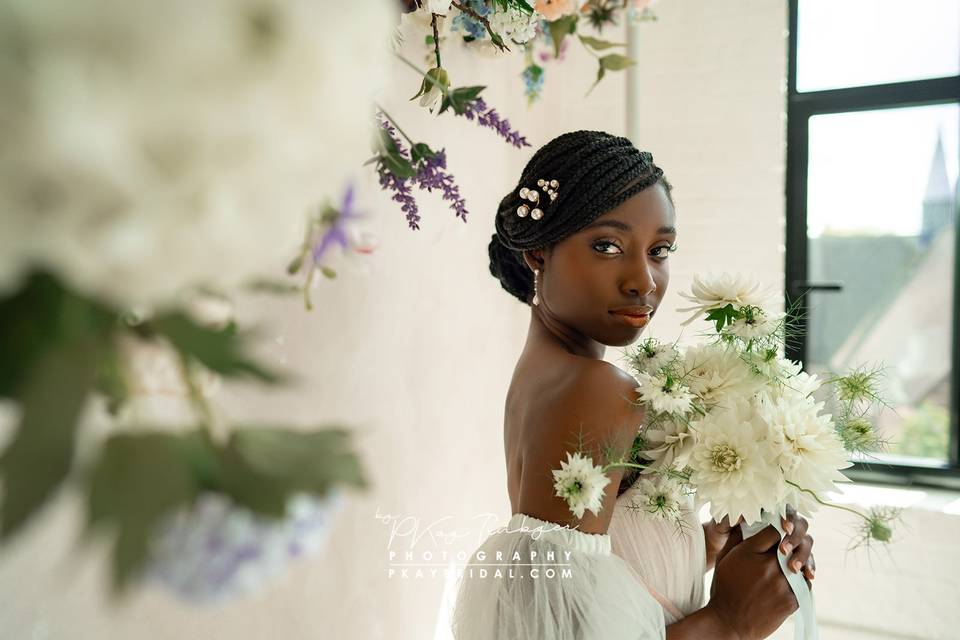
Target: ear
(534, 259)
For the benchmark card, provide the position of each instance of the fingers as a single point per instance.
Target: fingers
(735, 538)
(764, 541)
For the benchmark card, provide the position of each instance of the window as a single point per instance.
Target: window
(872, 215)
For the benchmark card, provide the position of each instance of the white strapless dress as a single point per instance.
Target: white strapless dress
(669, 562)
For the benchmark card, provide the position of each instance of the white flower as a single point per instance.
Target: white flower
(651, 356)
(149, 148)
(717, 375)
(216, 550)
(734, 466)
(669, 445)
(580, 483)
(663, 394)
(809, 453)
(514, 24)
(658, 497)
(717, 291)
(756, 323)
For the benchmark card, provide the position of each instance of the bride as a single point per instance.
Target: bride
(584, 238)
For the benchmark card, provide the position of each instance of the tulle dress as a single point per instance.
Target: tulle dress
(535, 579)
(667, 560)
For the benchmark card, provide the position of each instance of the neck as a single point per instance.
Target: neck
(546, 328)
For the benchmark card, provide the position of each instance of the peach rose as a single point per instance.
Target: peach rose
(553, 9)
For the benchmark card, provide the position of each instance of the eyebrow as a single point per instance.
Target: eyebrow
(616, 224)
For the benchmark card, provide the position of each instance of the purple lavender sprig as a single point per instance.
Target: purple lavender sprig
(488, 117)
(431, 173)
(392, 182)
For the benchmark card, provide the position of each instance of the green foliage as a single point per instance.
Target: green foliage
(141, 478)
(722, 316)
(520, 5)
(219, 350)
(611, 62)
(560, 29)
(460, 99)
(599, 45)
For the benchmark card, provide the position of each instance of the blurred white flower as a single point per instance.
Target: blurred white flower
(580, 483)
(152, 147)
(217, 550)
(440, 7)
(514, 25)
(734, 466)
(715, 291)
(664, 394)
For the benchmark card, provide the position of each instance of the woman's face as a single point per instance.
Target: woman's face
(619, 260)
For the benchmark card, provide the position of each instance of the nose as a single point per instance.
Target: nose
(638, 281)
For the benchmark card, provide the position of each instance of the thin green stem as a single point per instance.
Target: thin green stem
(392, 120)
(199, 403)
(436, 39)
(429, 78)
(827, 504)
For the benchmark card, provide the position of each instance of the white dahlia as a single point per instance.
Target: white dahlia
(715, 291)
(669, 445)
(717, 374)
(734, 467)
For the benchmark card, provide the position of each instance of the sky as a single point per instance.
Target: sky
(868, 170)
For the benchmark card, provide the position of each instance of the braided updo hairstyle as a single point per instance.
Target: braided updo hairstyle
(596, 171)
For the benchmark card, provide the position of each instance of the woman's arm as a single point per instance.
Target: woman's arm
(703, 623)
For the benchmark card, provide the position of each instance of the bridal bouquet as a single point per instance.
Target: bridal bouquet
(734, 423)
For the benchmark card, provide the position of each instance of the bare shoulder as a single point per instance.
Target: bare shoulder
(591, 408)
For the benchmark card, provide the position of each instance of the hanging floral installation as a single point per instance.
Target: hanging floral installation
(159, 158)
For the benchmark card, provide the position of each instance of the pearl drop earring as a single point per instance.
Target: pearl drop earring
(536, 295)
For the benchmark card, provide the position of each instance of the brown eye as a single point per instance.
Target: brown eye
(604, 243)
(667, 248)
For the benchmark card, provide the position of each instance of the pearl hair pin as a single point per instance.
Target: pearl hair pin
(549, 187)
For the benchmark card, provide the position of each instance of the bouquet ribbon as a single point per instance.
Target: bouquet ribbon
(805, 618)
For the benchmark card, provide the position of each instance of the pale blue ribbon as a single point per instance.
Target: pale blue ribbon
(805, 618)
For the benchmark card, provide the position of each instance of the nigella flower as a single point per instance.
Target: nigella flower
(487, 117)
(664, 394)
(580, 483)
(532, 81)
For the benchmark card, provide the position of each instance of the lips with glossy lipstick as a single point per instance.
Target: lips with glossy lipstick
(637, 316)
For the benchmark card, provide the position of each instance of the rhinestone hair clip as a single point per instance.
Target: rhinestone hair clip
(549, 187)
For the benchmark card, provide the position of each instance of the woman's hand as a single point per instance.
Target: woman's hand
(798, 543)
(715, 535)
(750, 597)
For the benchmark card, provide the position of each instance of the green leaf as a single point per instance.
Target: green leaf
(721, 316)
(616, 62)
(560, 29)
(397, 164)
(138, 479)
(262, 466)
(219, 350)
(599, 45)
(40, 455)
(41, 315)
(521, 5)
(421, 151)
(111, 381)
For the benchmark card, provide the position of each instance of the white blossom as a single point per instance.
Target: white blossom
(514, 25)
(715, 291)
(664, 395)
(717, 374)
(658, 496)
(150, 147)
(580, 483)
(669, 445)
(734, 466)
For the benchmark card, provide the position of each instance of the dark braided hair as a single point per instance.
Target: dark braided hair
(596, 171)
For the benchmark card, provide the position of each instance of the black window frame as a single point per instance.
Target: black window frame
(800, 107)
